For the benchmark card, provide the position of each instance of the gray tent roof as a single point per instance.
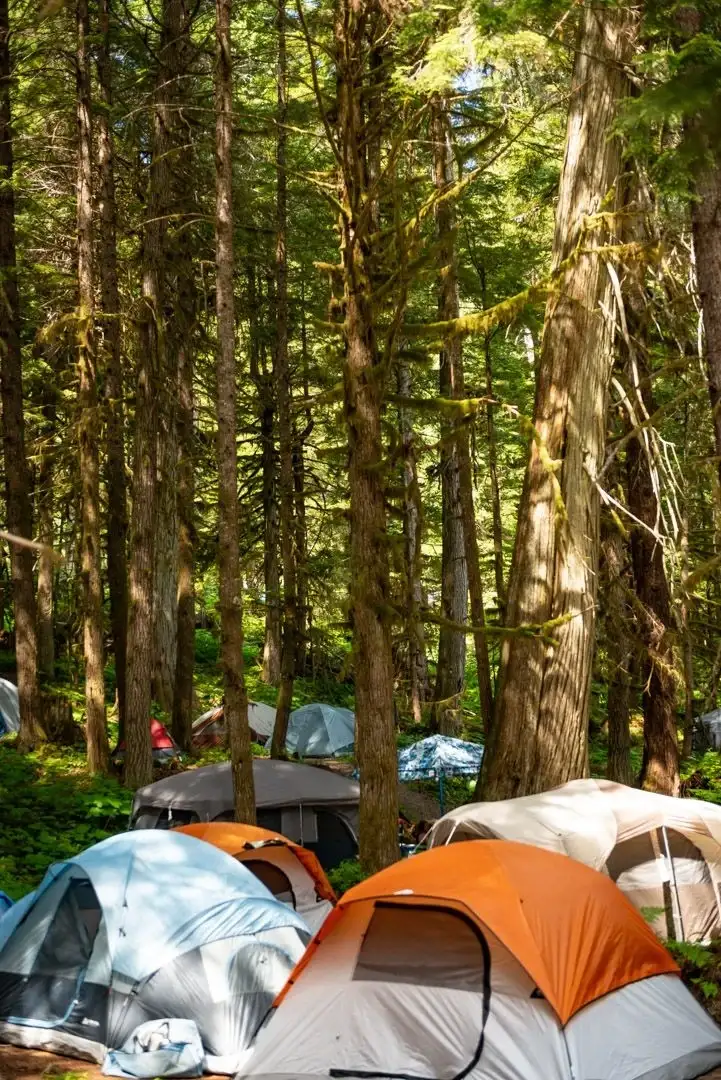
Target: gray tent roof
(209, 790)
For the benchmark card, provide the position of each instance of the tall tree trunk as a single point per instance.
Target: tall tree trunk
(706, 218)
(687, 649)
(182, 721)
(451, 671)
(301, 528)
(282, 379)
(615, 582)
(412, 517)
(271, 525)
(660, 767)
(89, 426)
(151, 372)
(45, 502)
(17, 474)
(116, 486)
(363, 401)
(165, 605)
(231, 609)
(493, 476)
(540, 733)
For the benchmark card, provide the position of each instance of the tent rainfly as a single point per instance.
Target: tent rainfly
(319, 731)
(486, 961)
(209, 729)
(663, 853)
(315, 807)
(144, 926)
(291, 872)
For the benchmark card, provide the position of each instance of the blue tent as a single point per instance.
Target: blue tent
(320, 731)
(146, 925)
(439, 756)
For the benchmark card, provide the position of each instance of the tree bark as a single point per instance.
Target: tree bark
(451, 671)
(301, 528)
(539, 737)
(89, 422)
(282, 379)
(493, 476)
(412, 521)
(271, 538)
(115, 482)
(182, 721)
(660, 766)
(151, 371)
(706, 219)
(363, 396)
(45, 503)
(17, 474)
(231, 610)
(165, 600)
(615, 583)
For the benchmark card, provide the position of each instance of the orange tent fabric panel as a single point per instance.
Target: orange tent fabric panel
(236, 839)
(570, 927)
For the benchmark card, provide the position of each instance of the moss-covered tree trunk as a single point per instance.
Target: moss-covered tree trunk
(17, 474)
(89, 420)
(370, 609)
(111, 358)
(540, 732)
(283, 390)
(231, 603)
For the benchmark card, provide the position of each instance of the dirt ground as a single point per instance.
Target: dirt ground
(17, 1063)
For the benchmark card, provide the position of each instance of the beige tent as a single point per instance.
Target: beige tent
(663, 853)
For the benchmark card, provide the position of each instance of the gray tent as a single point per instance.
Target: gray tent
(707, 731)
(312, 806)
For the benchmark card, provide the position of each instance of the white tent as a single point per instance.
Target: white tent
(663, 853)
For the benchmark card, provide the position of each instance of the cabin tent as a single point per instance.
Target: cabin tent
(663, 853)
(291, 872)
(9, 708)
(164, 747)
(315, 807)
(486, 960)
(144, 926)
(320, 731)
(209, 729)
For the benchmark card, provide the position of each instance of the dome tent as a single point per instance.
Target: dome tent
(144, 926)
(486, 960)
(209, 729)
(663, 853)
(291, 872)
(320, 731)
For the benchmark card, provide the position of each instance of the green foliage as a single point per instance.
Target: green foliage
(51, 811)
(346, 875)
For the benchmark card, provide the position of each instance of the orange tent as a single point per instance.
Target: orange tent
(482, 959)
(249, 843)
(561, 920)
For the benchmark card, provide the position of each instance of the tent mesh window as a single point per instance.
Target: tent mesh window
(273, 878)
(422, 946)
(53, 985)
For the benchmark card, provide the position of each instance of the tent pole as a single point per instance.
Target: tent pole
(675, 883)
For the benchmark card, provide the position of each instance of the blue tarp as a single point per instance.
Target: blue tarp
(438, 756)
(320, 731)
